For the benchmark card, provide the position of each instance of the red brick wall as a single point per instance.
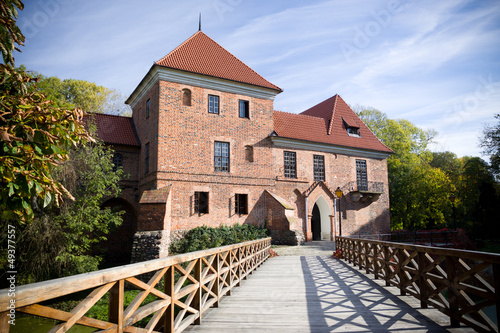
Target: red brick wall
(182, 155)
(185, 153)
(340, 171)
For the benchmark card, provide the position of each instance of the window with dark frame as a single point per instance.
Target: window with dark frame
(319, 167)
(146, 158)
(148, 106)
(221, 156)
(353, 131)
(117, 161)
(244, 109)
(201, 202)
(361, 175)
(241, 204)
(290, 164)
(213, 104)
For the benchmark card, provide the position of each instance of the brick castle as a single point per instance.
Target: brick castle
(205, 146)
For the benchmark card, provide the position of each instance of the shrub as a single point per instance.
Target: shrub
(201, 238)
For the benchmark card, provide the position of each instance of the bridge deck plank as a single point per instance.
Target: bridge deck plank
(318, 294)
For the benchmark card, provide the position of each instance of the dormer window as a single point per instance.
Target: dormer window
(186, 97)
(352, 127)
(353, 131)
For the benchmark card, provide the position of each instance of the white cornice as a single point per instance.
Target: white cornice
(157, 73)
(327, 148)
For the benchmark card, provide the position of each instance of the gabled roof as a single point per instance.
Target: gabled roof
(115, 130)
(202, 55)
(326, 123)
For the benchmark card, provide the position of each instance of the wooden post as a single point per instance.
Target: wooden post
(197, 298)
(367, 259)
(401, 273)
(239, 267)
(452, 291)
(496, 285)
(229, 276)
(387, 269)
(361, 256)
(375, 262)
(4, 322)
(216, 287)
(115, 309)
(422, 284)
(169, 290)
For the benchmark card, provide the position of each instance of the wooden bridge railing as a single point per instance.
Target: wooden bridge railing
(192, 283)
(461, 284)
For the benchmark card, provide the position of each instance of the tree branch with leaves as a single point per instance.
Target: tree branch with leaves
(35, 135)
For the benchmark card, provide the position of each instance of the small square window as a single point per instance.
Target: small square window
(201, 202)
(244, 109)
(213, 104)
(241, 204)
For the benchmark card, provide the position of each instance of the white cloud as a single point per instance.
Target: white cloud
(419, 64)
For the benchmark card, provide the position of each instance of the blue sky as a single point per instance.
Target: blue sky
(435, 63)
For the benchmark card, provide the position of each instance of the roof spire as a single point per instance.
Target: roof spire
(199, 23)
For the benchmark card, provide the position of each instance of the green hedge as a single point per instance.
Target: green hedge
(201, 238)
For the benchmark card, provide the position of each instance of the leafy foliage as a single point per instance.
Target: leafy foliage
(34, 135)
(88, 96)
(10, 34)
(420, 181)
(418, 191)
(479, 193)
(60, 241)
(491, 144)
(204, 237)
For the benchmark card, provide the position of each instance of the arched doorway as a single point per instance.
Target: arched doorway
(316, 223)
(320, 220)
(117, 249)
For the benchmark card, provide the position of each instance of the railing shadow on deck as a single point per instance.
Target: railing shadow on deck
(462, 284)
(340, 297)
(184, 287)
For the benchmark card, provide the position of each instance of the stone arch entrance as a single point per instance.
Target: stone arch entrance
(320, 220)
(118, 246)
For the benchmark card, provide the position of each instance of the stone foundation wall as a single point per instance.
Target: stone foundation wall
(287, 237)
(149, 245)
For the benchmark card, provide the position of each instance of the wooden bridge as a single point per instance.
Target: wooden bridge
(288, 294)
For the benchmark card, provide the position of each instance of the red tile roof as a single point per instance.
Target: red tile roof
(114, 129)
(201, 54)
(326, 123)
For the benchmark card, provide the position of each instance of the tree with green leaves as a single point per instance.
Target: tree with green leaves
(61, 240)
(479, 195)
(88, 96)
(418, 192)
(35, 135)
(47, 154)
(491, 144)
